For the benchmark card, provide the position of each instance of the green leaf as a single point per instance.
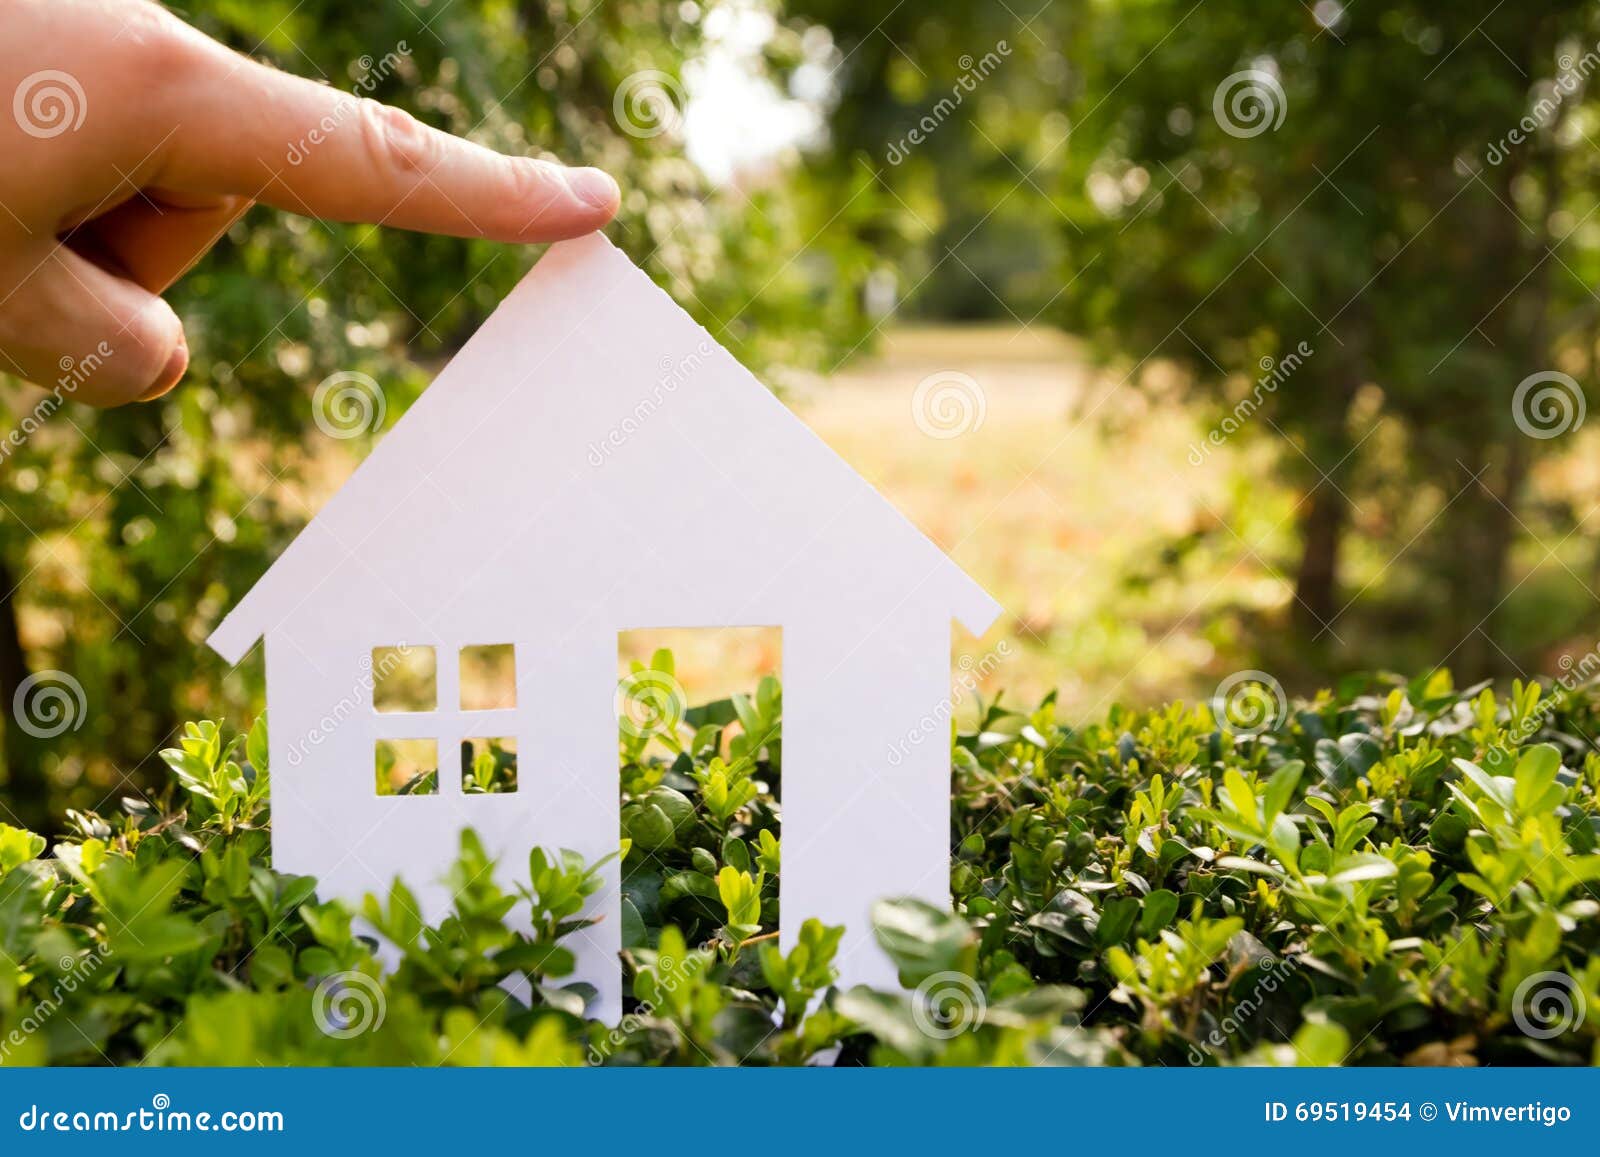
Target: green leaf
(17, 847)
(1536, 789)
(1280, 789)
(1160, 906)
(1116, 920)
(1320, 1044)
(1242, 798)
(1367, 866)
(921, 939)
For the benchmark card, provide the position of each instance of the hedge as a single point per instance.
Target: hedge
(1389, 873)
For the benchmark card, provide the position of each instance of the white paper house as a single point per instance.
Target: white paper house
(592, 462)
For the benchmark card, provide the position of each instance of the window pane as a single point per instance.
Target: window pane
(407, 767)
(404, 678)
(488, 766)
(488, 678)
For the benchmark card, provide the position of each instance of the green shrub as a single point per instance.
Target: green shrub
(1391, 874)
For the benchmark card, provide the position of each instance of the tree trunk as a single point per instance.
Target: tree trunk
(1316, 586)
(1479, 532)
(1485, 651)
(1331, 447)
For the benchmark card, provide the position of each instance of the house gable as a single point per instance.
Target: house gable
(590, 408)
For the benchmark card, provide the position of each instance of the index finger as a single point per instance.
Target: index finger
(311, 149)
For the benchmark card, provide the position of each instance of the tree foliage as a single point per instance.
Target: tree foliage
(127, 534)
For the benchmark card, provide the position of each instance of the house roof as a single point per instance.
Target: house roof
(554, 375)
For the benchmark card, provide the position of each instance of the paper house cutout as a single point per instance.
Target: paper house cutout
(593, 462)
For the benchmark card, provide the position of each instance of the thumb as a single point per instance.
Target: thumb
(70, 326)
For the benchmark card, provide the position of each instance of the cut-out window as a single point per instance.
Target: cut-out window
(488, 766)
(488, 678)
(405, 678)
(407, 766)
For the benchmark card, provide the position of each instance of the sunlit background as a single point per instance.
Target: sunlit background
(1208, 339)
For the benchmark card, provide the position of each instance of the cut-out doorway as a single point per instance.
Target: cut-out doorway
(685, 698)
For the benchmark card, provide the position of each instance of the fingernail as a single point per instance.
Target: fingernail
(172, 373)
(594, 187)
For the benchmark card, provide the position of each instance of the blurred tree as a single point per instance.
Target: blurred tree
(127, 534)
(952, 111)
(1242, 179)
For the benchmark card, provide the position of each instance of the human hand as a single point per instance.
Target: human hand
(134, 142)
